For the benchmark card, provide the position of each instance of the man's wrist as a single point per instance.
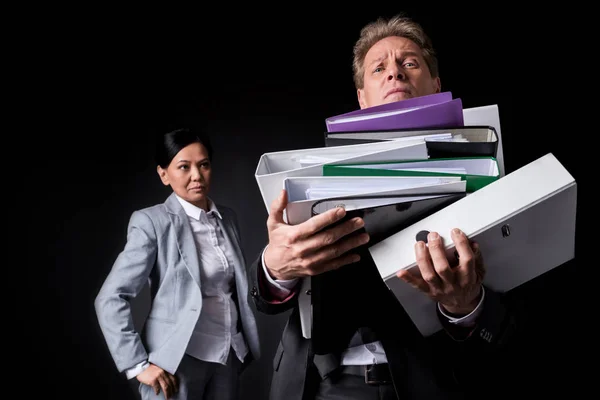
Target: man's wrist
(272, 277)
(272, 274)
(268, 270)
(461, 311)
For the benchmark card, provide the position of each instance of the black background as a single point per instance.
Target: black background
(261, 83)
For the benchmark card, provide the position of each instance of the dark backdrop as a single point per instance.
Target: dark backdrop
(261, 84)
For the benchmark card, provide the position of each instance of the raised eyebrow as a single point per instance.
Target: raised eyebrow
(377, 61)
(404, 55)
(410, 54)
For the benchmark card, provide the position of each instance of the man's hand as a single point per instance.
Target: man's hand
(456, 287)
(158, 379)
(301, 250)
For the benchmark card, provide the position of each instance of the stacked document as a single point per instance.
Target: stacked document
(274, 167)
(421, 165)
(477, 172)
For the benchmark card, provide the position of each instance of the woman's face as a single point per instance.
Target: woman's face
(188, 174)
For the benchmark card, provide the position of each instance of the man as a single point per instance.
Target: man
(376, 351)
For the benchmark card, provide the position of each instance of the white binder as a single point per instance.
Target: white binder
(274, 167)
(524, 223)
(299, 205)
(490, 116)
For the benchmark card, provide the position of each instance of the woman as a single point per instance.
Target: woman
(200, 331)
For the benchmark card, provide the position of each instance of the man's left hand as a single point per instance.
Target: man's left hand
(455, 284)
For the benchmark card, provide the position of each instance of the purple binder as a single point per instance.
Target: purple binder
(432, 111)
(435, 98)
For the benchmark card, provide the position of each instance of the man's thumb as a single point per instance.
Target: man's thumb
(277, 208)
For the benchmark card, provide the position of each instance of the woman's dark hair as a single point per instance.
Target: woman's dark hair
(170, 143)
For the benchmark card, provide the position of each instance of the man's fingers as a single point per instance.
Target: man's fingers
(438, 257)
(326, 254)
(425, 265)
(319, 222)
(330, 237)
(479, 264)
(277, 208)
(414, 280)
(465, 272)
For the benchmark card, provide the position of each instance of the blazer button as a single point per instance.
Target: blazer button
(254, 292)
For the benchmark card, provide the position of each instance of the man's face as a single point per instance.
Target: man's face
(395, 70)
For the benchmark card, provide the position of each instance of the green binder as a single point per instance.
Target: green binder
(476, 171)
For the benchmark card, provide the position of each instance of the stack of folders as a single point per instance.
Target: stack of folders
(427, 164)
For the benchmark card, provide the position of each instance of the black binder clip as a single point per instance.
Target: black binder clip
(422, 236)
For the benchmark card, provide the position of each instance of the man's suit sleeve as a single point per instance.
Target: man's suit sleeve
(493, 325)
(261, 295)
(484, 355)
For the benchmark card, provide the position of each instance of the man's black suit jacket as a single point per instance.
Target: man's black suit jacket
(455, 363)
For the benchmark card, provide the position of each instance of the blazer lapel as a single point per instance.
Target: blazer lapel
(185, 237)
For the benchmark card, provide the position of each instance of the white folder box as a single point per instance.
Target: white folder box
(274, 167)
(524, 223)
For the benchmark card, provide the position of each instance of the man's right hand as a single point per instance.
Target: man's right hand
(157, 378)
(301, 250)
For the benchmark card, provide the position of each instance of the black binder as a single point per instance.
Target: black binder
(481, 140)
(339, 303)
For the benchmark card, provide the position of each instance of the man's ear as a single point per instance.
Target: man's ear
(437, 84)
(162, 173)
(360, 93)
